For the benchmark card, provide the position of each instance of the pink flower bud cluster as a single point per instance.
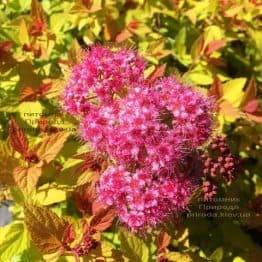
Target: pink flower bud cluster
(219, 164)
(146, 129)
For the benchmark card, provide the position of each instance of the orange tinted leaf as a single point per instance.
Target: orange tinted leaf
(257, 117)
(214, 45)
(123, 35)
(17, 137)
(45, 227)
(97, 206)
(163, 241)
(103, 219)
(228, 110)
(197, 47)
(158, 72)
(216, 90)
(27, 94)
(51, 146)
(26, 178)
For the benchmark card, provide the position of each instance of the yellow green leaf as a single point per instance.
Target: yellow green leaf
(30, 112)
(51, 146)
(48, 196)
(177, 256)
(233, 91)
(217, 255)
(23, 33)
(14, 239)
(133, 247)
(7, 164)
(239, 259)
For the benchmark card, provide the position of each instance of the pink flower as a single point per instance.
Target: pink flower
(102, 74)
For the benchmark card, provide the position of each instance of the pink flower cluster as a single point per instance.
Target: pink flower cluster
(141, 199)
(146, 129)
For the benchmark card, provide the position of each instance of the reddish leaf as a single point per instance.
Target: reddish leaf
(17, 137)
(27, 94)
(68, 235)
(37, 28)
(216, 89)
(97, 206)
(252, 106)
(87, 3)
(133, 25)
(45, 127)
(28, 47)
(214, 45)
(37, 13)
(103, 219)
(44, 88)
(158, 72)
(84, 197)
(5, 46)
(218, 62)
(163, 241)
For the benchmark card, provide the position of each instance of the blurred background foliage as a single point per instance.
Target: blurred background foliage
(216, 45)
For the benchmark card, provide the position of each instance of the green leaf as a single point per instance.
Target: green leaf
(15, 240)
(133, 247)
(217, 255)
